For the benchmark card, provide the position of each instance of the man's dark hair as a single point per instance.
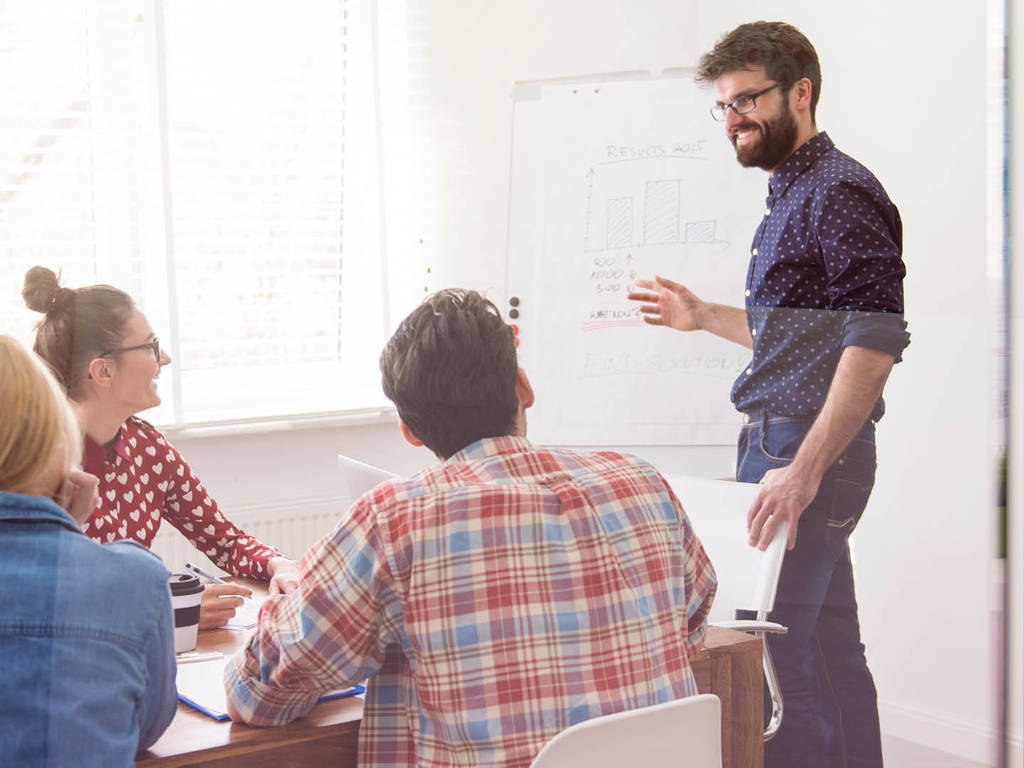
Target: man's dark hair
(780, 48)
(450, 370)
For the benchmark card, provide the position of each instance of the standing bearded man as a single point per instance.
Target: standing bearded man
(824, 320)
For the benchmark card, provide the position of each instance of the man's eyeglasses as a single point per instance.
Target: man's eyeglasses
(154, 345)
(741, 105)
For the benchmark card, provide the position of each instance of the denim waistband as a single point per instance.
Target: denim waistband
(764, 416)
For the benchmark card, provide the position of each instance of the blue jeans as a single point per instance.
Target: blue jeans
(830, 715)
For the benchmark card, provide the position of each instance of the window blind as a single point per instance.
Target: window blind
(201, 155)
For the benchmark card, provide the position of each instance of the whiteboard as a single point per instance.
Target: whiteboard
(614, 179)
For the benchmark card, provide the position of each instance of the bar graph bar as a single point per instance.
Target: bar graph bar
(661, 212)
(701, 231)
(619, 222)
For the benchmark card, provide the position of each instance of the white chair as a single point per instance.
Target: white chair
(685, 733)
(717, 510)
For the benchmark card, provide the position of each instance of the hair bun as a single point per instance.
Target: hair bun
(42, 291)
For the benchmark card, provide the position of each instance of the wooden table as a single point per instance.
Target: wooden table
(729, 666)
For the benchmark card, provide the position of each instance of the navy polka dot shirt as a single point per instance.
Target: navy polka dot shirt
(826, 272)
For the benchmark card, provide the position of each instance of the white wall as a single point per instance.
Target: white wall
(250, 469)
(903, 92)
(894, 97)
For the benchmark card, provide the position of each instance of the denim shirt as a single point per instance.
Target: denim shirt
(86, 642)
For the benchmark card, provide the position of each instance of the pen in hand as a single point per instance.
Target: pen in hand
(199, 571)
(218, 605)
(247, 595)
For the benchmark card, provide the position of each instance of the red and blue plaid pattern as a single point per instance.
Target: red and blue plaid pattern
(492, 601)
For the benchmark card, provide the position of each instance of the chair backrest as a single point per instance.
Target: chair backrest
(747, 577)
(360, 477)
(686, 732)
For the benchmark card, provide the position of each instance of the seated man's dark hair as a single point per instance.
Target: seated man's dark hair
(782, 49)
(450, 370)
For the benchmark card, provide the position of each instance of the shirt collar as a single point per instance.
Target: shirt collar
(19, 507)
(492, 446)
(95, 456)
(804, 157)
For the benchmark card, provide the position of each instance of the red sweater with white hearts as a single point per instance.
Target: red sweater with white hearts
(144, 479)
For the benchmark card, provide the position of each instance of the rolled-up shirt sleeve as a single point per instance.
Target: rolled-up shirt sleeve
(876, 330)
(860, 234)
(325, 635)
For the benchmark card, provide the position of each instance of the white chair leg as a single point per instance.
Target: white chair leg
(761, 628)
(774, 691)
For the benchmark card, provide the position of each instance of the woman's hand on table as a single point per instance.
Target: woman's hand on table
(219, 603)
(284, 575)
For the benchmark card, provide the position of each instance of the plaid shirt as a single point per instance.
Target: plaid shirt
(492, 601)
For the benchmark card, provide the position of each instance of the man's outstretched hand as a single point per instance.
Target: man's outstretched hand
(669, 303)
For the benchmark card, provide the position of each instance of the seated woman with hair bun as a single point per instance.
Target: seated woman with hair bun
(104, 353)
(86, 631)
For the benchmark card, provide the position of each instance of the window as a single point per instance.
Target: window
(218, 160)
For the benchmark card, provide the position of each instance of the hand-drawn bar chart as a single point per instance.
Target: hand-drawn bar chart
(615, 182)
(653, 215)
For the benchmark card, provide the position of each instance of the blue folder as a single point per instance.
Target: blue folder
(222, 716)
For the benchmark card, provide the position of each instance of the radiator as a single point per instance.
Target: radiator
(292, 527)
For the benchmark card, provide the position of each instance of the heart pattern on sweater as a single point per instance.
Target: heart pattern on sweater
(144, 479)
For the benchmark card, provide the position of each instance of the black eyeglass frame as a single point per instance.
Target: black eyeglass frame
(719, 111)
(154, 345)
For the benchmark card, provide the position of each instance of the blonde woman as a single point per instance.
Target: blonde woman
(104, 353)
(86, 631)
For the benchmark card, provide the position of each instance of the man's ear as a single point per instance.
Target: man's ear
(803, 90)
(100, 371)
(408, 435)
(523, 389)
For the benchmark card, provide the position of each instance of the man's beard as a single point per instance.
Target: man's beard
(777, 137)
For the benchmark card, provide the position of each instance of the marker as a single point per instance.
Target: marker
(204, 574)
(215, 579)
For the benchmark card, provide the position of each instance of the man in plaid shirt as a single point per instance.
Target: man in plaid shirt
(496, 599)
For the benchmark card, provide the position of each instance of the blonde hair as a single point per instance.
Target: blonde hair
(38, 426)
